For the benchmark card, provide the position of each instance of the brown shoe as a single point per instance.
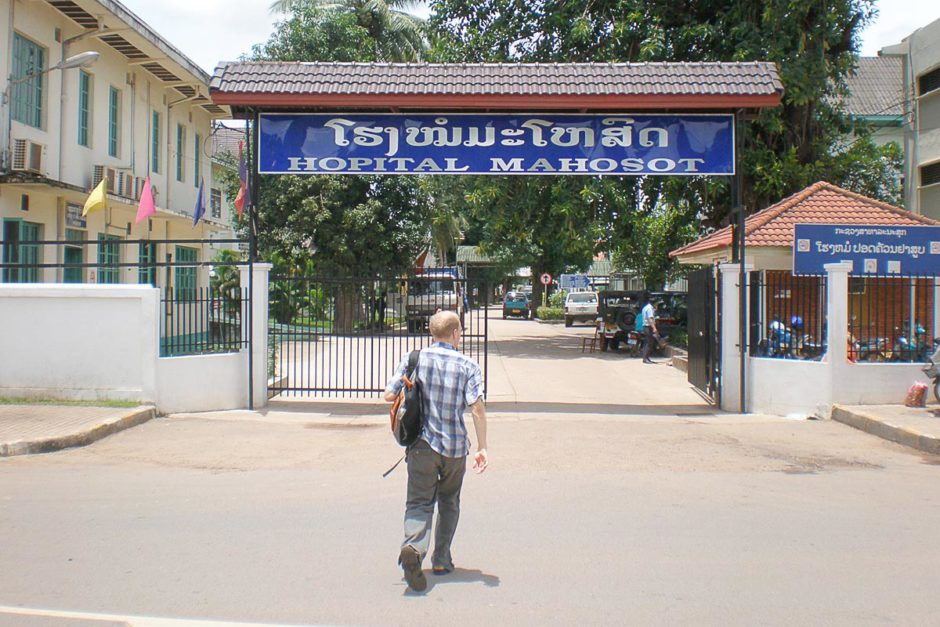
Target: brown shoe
(410, 562)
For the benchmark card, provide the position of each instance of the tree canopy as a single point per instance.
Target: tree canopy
(351, 225)
(394, 34)
(781, 151)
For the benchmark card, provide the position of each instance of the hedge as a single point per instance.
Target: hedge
(550, 313)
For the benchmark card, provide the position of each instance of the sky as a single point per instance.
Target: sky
(210, 31)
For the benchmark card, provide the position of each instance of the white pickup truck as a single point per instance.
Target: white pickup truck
(436, 289)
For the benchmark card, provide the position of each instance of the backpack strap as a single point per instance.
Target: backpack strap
(413, 363)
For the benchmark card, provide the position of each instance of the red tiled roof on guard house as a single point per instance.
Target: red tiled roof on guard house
(820, 203)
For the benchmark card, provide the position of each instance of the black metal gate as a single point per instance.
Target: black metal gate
(343, 337)
(704, 338)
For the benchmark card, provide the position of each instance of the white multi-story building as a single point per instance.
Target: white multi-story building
(141, 109)
(920, 54)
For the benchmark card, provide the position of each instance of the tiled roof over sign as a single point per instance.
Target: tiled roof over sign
(820, 203)
(657, 85)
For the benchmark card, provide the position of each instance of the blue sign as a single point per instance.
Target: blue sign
(872, 250)
(574, 281)
(507, 144)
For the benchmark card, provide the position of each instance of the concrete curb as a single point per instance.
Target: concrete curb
(883, 429)
(85, 437)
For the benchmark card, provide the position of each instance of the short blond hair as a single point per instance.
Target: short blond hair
(443, 324)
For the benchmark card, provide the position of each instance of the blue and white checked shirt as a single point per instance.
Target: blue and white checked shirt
(450, 382)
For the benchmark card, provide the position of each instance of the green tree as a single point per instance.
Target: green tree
(448, 218)
(781, 151)
(348, 225)
(394, 34)
(544, 222)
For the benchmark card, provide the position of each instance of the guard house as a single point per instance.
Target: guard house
(884, 318)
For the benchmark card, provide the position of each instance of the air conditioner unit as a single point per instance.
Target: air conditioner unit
(27, 156)
(139, 184)
(126, 187)
(102, 171)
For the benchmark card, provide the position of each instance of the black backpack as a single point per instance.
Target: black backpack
(407, 415)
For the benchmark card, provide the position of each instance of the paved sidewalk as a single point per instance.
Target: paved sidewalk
(917, 427)
(28, 429)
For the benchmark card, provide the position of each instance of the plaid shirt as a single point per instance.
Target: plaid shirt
(450, 382)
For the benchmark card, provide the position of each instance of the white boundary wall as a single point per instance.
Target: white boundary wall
(807, 388)
(101, 342)
(79, 342)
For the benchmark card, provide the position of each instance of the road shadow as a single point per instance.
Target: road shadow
(459, 575)
(336, 407)
(602, 408)
(558, 347)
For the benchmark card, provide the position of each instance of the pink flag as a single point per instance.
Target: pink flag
(146, 208)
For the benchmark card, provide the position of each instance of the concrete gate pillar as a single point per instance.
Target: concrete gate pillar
(837, 328)
(730, 335)
(256, 276)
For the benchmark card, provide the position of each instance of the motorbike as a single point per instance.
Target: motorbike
(779, 340)
(932, 369)
(872, 349)
(787, 342)
(915, 350)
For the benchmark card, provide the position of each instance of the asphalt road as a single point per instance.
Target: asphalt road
(615, 496)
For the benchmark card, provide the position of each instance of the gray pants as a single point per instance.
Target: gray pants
(432, 478)
(650, 341)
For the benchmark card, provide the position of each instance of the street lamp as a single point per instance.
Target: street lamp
(82, 59)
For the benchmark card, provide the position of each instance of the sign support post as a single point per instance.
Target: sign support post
(737, 193)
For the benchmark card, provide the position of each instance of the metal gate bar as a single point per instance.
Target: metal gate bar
(343, 337)
(704, 339)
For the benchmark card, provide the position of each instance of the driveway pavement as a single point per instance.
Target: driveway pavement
(615, 496)
(534, 364)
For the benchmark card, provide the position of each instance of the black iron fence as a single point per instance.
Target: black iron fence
(891, 318)
(343, 337)
(208, 320)
(787, 315)
(203, 306)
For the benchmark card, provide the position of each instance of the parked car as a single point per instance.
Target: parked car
(616, 314)
(618, 311)
(580, 306)
(516, 304)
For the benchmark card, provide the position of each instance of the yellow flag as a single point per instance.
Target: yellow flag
(96, 200)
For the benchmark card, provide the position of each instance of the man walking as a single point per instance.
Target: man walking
(649, 327)
(437, 461)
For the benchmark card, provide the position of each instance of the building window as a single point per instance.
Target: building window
(15, 233)
(84, 107)
(929, 82)
(857, 285)
(215, 202)
(180, 151)
(26, 96)
(147, 260)
(155, 144)
(930, 174)
(185, 276)
(74, 254)
(114, 121)
(109, 255)
(197, 160)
